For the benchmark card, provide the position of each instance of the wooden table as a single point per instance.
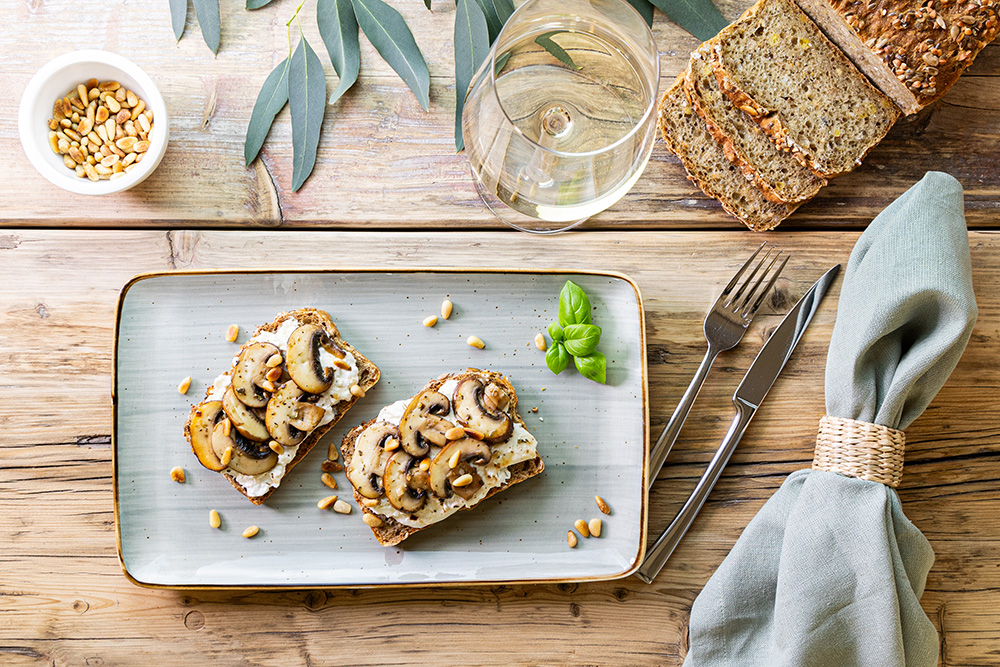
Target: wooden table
(388, 184)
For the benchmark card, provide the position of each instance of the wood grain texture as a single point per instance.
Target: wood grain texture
(383, 163)
(64, 599)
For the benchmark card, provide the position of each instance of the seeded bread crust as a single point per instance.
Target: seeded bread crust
(913, 50)
(368, 376)
(789, 127)
(392, 532)
(707, 166)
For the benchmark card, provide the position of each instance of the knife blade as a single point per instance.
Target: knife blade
(759, 379)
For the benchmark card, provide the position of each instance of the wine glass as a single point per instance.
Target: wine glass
(560, 119)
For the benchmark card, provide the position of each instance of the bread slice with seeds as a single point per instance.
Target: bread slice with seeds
(781, 177)
(776, 65)
(687, 136)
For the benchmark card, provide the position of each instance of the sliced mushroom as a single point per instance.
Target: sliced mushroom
(303, 358)
(422, 424)
(244, 418)
(289, 419)
(203, 421)
(248, 457)
(442, 474)
(248, 376)
(368, 461)
(480, 413)
(398, 489)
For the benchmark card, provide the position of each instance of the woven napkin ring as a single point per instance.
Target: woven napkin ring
(860, 449)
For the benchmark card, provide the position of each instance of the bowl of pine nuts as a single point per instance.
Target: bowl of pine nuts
(93, 123)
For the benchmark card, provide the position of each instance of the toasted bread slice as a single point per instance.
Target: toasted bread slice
(391, 532)
(368, 376)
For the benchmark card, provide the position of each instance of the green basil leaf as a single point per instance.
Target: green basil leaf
(581, 339)
(178, 16)
(593, 367)
(555, 332)
(272, 98)
(701, 18)
(472, 45)
(645, 9)
(389, 34)
(257, 4)
(339, 29)
(207, 12)
(496, 12)
(557, 358)
(307, 102)
(546, 42)
(574, 306)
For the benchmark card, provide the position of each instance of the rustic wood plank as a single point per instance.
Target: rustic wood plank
(65, 600)
(383, 163)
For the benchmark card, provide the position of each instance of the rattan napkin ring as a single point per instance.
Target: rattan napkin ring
(860, 449)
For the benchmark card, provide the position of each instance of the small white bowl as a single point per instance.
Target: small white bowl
(61, 76)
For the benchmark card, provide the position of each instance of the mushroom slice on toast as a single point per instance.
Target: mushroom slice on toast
(245, 456)
(442, 474)
(203, 420)
(479, 408)
(399, 488)
(303, 359)
(368, 463)
(249, 381)
(245, 419)
(289, 418)
(423, 423)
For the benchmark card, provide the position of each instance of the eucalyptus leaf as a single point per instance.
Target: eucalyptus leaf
(574, 306)
(559, 53)
(701, 18)
(499, 62)
(581, 339)
(257, 4)
(207, 12)
(555, 331)
(389, 34)
(178, 16)
(496, 12)
(593, 367)
(645, 9)
(339, 29)
(472, 45)
(557, 358)
(271, 99)
(307, 103)
(427, 4)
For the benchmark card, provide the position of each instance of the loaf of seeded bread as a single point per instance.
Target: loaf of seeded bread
(368, 376)
(776, 65)
(392, 532)
(688, 137)
(913, 50)
(777, 173)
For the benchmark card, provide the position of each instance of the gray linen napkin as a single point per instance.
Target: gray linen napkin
(830, 571)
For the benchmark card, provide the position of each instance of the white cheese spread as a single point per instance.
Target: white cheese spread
(340, 390)
(519, 447)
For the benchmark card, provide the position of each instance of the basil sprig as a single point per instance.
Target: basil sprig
(574, 337)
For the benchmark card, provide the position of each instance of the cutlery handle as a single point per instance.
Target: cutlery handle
(668, 437)
(657, 557)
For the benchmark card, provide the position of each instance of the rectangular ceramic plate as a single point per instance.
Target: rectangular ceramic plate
(593, 438)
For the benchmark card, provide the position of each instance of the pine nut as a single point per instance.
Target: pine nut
(273, 374)
(276, 447)
(331, 466)
(227, 456)
(391, 444)
(266, 385)
(325, 503)
(595, 527)
(328, 479)
(476, 341)
(425, 464)
(342, 365)
(112, 104)
(184, 385)
(109, 86)
(232, 332)
(357, 391)
(127, 144)
(474, 434)
(582, 528)
(117, 175)
(371, 520)
(273, 361)
(141, 146)
(91, 172)
(214, 520)
(81, 90)
(601, 505)
(250, 532)
(137, 113)
(131, 98)
(456, 433)
(540, 342)
(446, 307)
(464, 480)
(430, 320)
(571, 539)
(227, 427)
(369, 502)
(332, 453)
(101, 116)
(177, 474)
(340, 507)
(453, 461)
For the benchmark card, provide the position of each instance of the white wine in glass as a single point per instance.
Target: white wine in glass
(559, 121)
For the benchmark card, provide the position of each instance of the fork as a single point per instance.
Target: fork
(725, 325)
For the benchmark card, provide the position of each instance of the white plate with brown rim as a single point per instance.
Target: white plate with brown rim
(593, 438)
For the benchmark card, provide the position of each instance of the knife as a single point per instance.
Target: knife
(756, 383)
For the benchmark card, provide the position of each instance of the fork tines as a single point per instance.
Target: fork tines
(745, 308)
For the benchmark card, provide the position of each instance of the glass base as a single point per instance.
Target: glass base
(518, 220)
